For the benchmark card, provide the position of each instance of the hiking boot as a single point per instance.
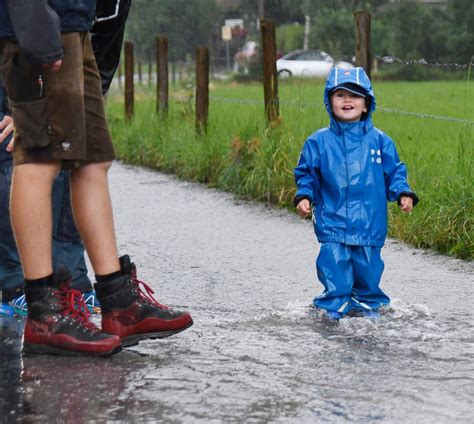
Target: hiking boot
(58, 322)
(130, 311)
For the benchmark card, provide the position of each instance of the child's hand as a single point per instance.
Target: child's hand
(303, 208)
(406, 204)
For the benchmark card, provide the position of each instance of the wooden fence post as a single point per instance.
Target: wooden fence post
(202, 89)
(162, 76)
(150, 71)
(128, 80)
(270, 80)
(173, 72)
(119, 74)
(362, 40)
(139, 71)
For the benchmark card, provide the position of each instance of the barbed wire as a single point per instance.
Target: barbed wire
(392, 59)
(318, 106)
(427, 116)
(386, 60)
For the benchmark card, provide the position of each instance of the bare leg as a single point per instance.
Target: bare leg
(93, 215)
(31, 216)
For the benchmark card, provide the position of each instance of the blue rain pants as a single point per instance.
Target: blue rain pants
(351, 277)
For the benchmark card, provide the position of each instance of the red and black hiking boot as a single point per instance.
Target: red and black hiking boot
(58, 322)
(130, 311)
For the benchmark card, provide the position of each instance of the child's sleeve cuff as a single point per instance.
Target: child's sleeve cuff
(408, 194)
(297, 199)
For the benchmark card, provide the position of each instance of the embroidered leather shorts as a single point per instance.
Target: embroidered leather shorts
(57, 115)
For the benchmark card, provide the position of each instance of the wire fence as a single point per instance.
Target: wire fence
(299, 104)
(225, 69)
(234, 66)
(421, 61)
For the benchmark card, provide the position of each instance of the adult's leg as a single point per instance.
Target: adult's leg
(89, 183)
(30, 209)
(68, 248)
(57, 320)
(127, 310)
(93, 214)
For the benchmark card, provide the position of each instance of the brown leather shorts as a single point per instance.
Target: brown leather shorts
(57, 115)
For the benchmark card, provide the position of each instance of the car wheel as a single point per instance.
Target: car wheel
(284, 73)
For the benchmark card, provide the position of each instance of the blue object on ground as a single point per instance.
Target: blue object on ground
(6, 310)
(92, 302)
(19, 305)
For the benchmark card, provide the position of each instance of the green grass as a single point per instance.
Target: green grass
(239, 154)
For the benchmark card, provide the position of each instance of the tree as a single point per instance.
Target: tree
(187, 24)
(460, 38)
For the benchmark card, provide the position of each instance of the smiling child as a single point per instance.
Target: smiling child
(345, 175)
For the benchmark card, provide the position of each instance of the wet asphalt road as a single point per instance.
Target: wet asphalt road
(257, 352)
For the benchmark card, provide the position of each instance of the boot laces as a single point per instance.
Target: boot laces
(144, 291)
(74, 306)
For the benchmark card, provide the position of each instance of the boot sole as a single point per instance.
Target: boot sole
(136, 338)
(34, 349)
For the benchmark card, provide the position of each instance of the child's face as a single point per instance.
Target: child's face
(347, 106)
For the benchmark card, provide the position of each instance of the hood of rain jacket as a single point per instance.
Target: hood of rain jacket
(349, 171)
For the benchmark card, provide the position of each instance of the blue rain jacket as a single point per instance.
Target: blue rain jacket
(349, 171)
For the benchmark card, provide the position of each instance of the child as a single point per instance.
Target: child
(345, 175)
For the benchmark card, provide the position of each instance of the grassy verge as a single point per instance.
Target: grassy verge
(239, 154)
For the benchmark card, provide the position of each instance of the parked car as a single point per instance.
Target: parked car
(308, 63)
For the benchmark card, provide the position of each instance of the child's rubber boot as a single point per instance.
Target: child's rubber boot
(334, 315)
(372, 314)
